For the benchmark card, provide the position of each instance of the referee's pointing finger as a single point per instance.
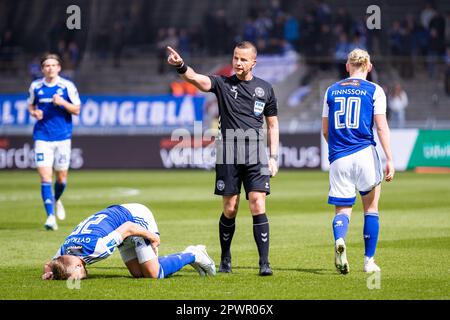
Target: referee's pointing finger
(171, 50)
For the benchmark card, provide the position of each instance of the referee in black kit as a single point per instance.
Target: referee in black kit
(244, 101)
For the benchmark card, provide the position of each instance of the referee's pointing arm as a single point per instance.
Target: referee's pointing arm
(200, 81)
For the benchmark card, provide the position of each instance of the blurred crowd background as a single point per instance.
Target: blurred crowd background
(302, 45)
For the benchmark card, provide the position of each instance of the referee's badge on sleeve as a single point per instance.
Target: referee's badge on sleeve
(258, 107)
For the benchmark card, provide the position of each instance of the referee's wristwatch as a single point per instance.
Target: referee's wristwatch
(274, 156)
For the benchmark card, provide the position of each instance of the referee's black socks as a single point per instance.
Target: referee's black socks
(261, 234)
(226, 232)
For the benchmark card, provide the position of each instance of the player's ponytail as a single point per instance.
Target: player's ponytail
(359, 59)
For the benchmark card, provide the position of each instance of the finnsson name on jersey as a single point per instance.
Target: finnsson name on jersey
(348, 91)
(350, 106)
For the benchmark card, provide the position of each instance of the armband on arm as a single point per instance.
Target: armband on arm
(182, 68)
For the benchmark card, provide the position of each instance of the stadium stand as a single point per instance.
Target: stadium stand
(119, 48)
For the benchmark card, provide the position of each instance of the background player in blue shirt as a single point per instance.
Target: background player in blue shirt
(132, 228)
(351, 107)
(52, 101)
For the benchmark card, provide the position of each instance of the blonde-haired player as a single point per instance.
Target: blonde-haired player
(350, 109)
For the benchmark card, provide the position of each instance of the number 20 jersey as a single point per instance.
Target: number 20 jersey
(350, 106)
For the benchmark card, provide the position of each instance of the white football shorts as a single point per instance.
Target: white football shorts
(138, 247)
(54, 154)
(360, 171)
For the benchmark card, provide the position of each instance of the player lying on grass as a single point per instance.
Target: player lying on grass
(131, 228)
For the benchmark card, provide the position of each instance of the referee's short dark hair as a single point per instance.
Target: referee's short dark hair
(50, 56)
(247, 45)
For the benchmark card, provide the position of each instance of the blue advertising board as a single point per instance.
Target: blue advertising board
(114, 112)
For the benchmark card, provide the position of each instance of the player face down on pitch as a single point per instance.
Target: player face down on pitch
(245, 103)
(133, 230)
(351, 107)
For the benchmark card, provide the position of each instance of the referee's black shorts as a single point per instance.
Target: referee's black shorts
(229, 178)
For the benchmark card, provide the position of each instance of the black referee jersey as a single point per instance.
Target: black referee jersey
(243, 104)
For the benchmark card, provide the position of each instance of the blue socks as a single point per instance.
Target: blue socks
(371, 228)
(59, 189)
(47, 197)
(172, 263)
(340, 226)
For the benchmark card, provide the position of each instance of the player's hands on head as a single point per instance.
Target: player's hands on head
(174, 58)
(58, 100)
(273, 167)
(390, 171)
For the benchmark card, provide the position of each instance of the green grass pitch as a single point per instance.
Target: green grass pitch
(413, 249)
